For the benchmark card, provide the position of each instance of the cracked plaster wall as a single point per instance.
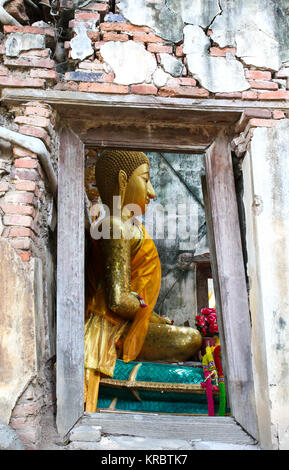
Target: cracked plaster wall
(258, 34)
(266, 200)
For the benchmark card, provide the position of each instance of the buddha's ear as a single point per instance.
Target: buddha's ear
(122, 182)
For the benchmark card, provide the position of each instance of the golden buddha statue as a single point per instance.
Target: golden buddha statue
(123, 277)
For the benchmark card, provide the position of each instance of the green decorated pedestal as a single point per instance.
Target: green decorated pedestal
(155, 387)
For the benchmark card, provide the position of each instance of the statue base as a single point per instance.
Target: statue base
(155, 387)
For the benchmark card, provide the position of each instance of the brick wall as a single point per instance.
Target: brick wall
(24, 191)
(25, 208)
(36, 68)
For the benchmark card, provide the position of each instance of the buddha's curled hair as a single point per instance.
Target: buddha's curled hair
(108, 166)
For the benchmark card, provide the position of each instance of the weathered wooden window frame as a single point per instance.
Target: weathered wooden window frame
(224, 240)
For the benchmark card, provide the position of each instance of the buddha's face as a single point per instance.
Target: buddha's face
(139, 189)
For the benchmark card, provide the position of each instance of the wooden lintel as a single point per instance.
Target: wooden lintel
(193, 139)
(76, 98)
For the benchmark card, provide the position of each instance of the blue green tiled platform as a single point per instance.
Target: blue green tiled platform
(155, 387)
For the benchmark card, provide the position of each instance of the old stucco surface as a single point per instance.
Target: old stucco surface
(266, 204)
(17, 347)
(130, 61)
(260, 36)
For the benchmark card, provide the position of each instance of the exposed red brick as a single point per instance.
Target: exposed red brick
(36, 132)
(147, 37)
(232, 96)
(20, 244)
(21, 220)
(15, 232)
(25, 163)
(258, 74)
(251, 113)
(249, 95)
(71, 86)
(28, 29)
(38, 121)
(26, 174)
(274, 95)
(256, 122)
(19, 197)
(17, 209)
(25, 409)
(21, 82)
(191, 92)
(221, 52)
(30, 62)
(103, 88)
(126, 27)
(155, 47)
(265, 85)
(143, 89)
(25, 185)
(179, 51)
(21, 152)
(36, 53)
(37, 111)
(185, 81)
(25, 256)
(277, 114)
(94, 36)
(17, 423)
(113, 36)
(4, 187)
(44, 73)
(87, 15)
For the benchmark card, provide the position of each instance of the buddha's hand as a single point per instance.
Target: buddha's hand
(141, 300)
(155, 318)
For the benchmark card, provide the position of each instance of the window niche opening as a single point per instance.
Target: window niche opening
(176, 221)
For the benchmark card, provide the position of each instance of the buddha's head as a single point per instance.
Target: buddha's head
(126, 174)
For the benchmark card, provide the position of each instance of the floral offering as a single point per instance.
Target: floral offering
(207, 322)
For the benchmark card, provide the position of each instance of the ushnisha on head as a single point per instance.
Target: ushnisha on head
(126, 174)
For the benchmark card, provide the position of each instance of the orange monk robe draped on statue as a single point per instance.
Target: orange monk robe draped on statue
(103, 328)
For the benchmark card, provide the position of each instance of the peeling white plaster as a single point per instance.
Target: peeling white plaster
(164, 21)
(195, 41)
(171, 65)
(160, 77)
(198, 12)
(216, 74)
(267, 241)
(130, 61)
(258, 49)
(18, 42)
(260, 33)
(81, 44)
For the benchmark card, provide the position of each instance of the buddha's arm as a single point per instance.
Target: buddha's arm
(117, 259)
